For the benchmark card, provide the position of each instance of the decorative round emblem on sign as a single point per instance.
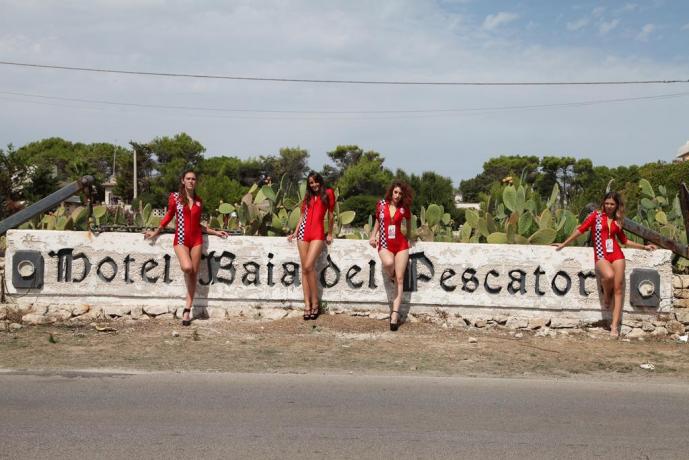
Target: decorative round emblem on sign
(26, 269)
(646, 288)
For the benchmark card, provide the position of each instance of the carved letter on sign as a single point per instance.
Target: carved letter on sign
(149, 265)
(351, 273)
(87, 267)
(582, 282)
(290, 275)
(331, 265)
(517, 277)
(488, 287)
(446, 275)
(226, 266)
(252, 274)
(127, 260)
(568, 283)
(113, 267)
(469, 280)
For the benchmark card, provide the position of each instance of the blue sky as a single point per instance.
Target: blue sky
(655, 29)
(457, 129)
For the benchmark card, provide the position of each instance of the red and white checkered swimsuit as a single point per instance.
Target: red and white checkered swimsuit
(188, 226)
(390, 228)
(313, 213)
(597, 221)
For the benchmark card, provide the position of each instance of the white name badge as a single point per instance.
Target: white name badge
(608, 245)
(392, 232)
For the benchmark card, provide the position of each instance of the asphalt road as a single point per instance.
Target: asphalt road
(195, 415)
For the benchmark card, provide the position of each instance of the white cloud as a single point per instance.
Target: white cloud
(607, 26)
(629, 7)
(578, 24)
(493, 21)
(598, 11)
(646, 32)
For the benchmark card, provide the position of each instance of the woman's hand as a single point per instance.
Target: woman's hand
(372, 241)
(151, 234)
(558, 246)
(221, 233)
(328, 239)
(650, 247)
(290, 237)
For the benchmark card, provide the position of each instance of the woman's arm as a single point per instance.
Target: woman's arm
(376, 227)
(331, 211)
(171, 208)
(331, 222)
(293, 235)
(635, 245)
(211, 231)
(575, 234)
(588, 223)
(409, 217)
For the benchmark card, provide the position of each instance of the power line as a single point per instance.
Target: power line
(348, 82)
(449, 111)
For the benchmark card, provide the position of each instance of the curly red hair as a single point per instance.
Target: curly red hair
(407, 193)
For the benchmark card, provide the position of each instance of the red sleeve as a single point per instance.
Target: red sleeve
(331, 199)
(588, 223)
(377, 209)
(621, 235)
(171, 208)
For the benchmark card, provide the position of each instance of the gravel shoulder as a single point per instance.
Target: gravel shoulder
(339, 344)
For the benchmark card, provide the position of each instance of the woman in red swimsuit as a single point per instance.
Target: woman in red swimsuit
(393, 246)
(311, 237)
(606, 230)
(186, 206)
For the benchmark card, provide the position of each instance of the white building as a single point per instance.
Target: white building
(683, 153)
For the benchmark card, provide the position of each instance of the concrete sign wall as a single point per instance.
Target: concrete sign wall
(124, 269)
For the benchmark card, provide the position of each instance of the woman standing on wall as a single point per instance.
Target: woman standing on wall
(606, 229)
(393, 246)
(311, 237)
(186, 206)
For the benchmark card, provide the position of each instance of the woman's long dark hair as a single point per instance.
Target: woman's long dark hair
(181, 190)
(321, 191)
(407, 194)
(619, 210)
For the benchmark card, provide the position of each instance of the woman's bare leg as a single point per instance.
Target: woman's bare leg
(606, 275)
(309, 270)
(189, 262)
(303, 247)
(387, 258)
(618, 266)
(401, 260)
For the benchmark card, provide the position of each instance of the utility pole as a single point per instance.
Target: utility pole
(135, 180)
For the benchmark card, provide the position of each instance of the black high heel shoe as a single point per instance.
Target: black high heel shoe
(186, 322)
(315, 312)
(394, 326)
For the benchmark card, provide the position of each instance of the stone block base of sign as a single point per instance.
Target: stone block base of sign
(634, 326)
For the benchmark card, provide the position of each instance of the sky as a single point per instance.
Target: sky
(449, 129)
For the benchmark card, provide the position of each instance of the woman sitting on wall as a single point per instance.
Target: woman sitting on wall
(186, 206)
(393, 246)
(311, 237)
(606, 229)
